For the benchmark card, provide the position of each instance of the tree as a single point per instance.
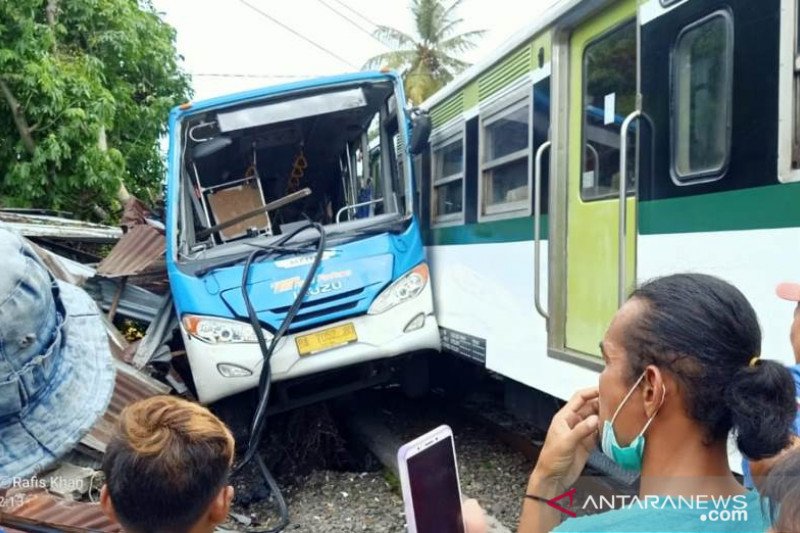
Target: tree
(85, 91)
(429, 60)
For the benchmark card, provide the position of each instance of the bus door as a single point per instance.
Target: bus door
(602, 101)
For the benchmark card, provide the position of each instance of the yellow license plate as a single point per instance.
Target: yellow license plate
(326, 339)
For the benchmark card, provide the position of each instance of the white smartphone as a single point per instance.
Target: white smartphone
(429, 478)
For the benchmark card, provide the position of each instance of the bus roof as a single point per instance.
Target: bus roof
(271, 90)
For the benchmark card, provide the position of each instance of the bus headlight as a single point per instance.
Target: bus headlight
(408, 286)
(213, 330)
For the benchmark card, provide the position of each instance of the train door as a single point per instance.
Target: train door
(602, 101)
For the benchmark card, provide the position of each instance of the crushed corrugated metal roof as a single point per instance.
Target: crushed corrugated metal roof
(139, 251)
(130, 386)
(158, 333)
(57, 514)
(134, 302)
(30, 225)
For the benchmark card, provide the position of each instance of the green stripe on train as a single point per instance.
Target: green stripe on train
(770, 207)
(511, 230)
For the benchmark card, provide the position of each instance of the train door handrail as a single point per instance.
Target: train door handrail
(623, 205)
(537, 238)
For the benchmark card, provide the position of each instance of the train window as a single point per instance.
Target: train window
(447, 173)
(505, 155)
(702, 91)
(796, 70)
(789, 95)
(609, 96)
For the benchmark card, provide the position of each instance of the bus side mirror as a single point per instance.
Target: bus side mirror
(420, 132)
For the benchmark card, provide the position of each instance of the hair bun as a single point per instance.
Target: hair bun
(763, 407)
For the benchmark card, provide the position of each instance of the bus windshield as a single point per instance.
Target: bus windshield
(345, 143)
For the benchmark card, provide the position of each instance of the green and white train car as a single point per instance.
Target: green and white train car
(692, 105)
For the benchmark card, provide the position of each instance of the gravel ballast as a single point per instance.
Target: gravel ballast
(332, 483)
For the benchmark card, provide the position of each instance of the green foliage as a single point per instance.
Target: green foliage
(392, 480)
(85, 91)
(429, 60)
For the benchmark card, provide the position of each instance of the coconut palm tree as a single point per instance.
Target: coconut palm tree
(430, 59)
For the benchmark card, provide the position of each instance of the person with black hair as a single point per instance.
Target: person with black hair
(682, 372)
(781, 492)
(167, 468)
(754, 471)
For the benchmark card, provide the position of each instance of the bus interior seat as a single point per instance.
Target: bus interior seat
(227, 195)
(242, 196)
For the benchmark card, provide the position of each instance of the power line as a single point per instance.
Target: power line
(298, 34)
(350, 9)
(351, 21)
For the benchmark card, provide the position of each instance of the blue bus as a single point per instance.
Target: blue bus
(276, 190)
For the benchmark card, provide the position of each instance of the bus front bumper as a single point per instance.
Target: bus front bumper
(378, 336)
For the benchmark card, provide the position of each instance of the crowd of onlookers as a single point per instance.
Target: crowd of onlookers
(683, 373)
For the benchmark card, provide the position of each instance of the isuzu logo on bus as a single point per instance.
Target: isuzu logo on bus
(322, 288)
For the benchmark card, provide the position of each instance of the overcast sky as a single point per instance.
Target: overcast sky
(229, 46)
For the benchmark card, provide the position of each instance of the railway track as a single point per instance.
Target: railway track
(336, 460)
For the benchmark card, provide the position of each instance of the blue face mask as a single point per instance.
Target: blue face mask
(628, 457)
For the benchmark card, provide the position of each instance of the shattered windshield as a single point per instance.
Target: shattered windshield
(268, 168)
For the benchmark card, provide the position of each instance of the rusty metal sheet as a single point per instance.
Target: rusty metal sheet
(139, 251)
(59, 514)
(160, 331)
(31, 225)
(130, 386)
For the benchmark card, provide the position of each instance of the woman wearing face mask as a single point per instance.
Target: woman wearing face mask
(682, 371)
